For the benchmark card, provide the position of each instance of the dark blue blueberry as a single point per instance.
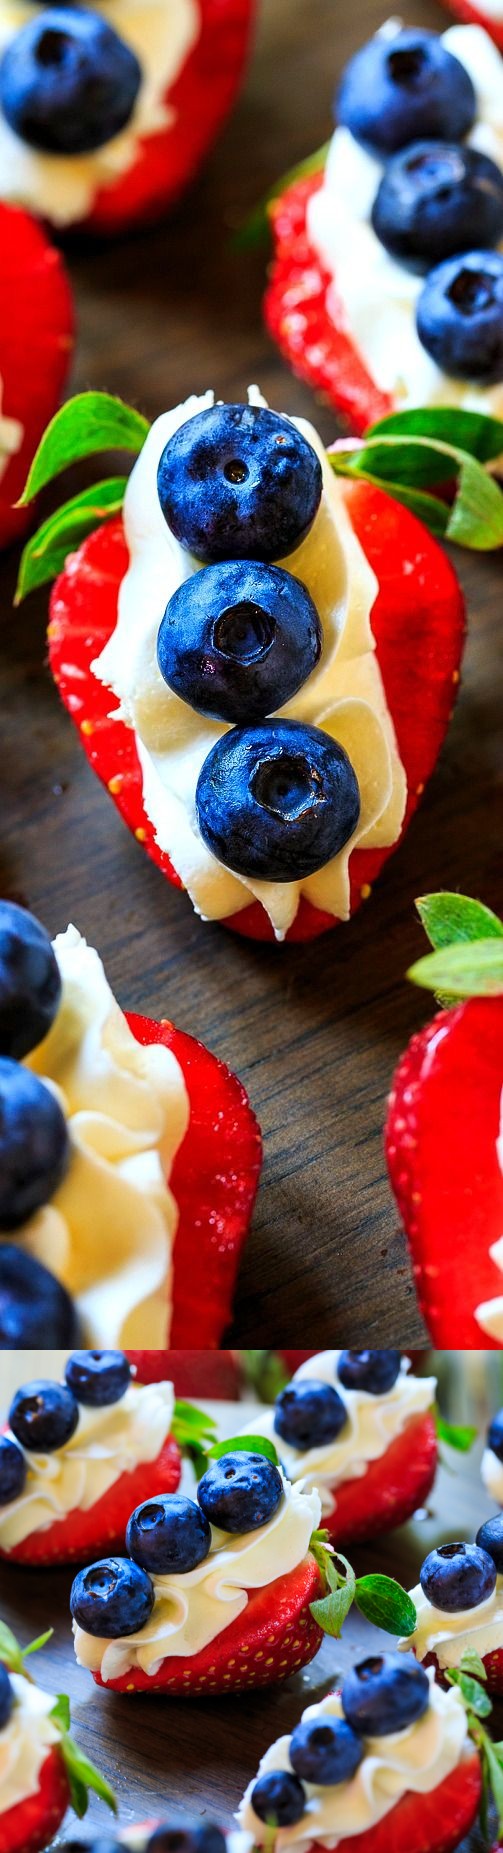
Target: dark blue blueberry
(239, 482)
(495, 1435)
(325, 1750)
(68, 83)
(35, 1310)
(457, 1576)
(43, 1415)
(435, 199)
(373, 1371)
(111, 1598)
(309, 1413)
(490, 1539)
(239, 639)
(459, 316)
(102, 1845)
(278, 1798)
(30, 981)
(202, 1837)
(385, 1693)
(6, 1696)
(276, 802)
(34, 1144)
(98, 1377)
(168, 1535)
(241, 1491)
(13, 1470)
(403, 89)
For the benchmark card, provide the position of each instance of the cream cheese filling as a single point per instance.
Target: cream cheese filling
(448, 1636)
(25, 1742)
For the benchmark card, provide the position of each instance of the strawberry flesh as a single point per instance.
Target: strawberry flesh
(432, 1823)
(36, 338)
(83, 1536)
(471, 16)
(31, 1825)
(391, 1489)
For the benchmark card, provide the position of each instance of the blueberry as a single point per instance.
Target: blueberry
(98, 1377)
(112, 1598)
(6, 1696)
(276, 802)
(325, 1750)
(459, 316)
(309, 1413)
(240, 1491)
(102, 1845)
(278, 1798)
(30, 982)
(495, 1435)
(68, 83)
(373, 1371)
(405, 89)
(457, 1576)
(13, 1470)
(435, 199)
(43, 1415)
(490, 1539)
(35, 1310)
(239, 482)
(203, 1837)
(168, 1535)
(34, 1144)
(239, 639)
(385, 1694)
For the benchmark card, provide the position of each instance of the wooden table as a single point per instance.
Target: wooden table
(315, 1033)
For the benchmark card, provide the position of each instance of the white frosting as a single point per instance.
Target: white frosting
(418, 1759)
(448, 1636)
(25, 1742)
(492, 1474)
(491, 9)
(344, 694)
(489, 1314)
(373, 1422)
(63, 187)
(377, 293)
(108, 1232)
(107, 1443)
(189, 1611)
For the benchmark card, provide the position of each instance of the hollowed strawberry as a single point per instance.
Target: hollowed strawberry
(391, 1489)
(431, 1823)
(31, 1825)
(86, 1535)
(36, 338)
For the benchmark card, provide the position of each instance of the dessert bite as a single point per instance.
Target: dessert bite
(459, 1606)
(491, 1465)
(41, 1768)
(36, 340)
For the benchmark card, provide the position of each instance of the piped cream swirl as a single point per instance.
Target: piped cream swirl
(448, 1636)
(25, 1742)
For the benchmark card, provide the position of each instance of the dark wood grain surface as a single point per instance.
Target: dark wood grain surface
(314, 1032)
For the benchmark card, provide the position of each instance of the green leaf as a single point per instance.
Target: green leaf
(61, 1712)
(41, 1641)
(255, 227)
(476, 517)
(471, 1663)
(330, 1611)
(476, 1699)
(463, 970)
(409, 465)
(266, 1371)
(455, 1434)
(91, 422)
(435, 514)
(194, 1431)
(450, 918)
(252, 1444)
(482, 437)
(383, 1601)
(10, 1651)
(495, 1774)
(46, 552)
(82, 1776)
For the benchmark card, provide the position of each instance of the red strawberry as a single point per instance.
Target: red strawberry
(193, 1373)
(83, 1536)
(36, 335)
(432, 1823)
(31, 1825)
(392, 1488)
(493, 1663)
(272, 1638)
(473, 16)
(418, 624)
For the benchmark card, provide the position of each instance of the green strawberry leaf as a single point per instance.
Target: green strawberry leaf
(41, 1641)
(455, 1434)
(82, 1776)
(255, 228)
(451, 918)
(12, 1655)
(471, 1663)
(409, 465)
(495, 1775)
(61, 1712)
(194, 1431)
(475, 1698)
(267, 1373)
(330, 1611)
(91, 422)
(473, 432)
(381, 1600)
(252, 1444)
(47, 550)
(465, 969)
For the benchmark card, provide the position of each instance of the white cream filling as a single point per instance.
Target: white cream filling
(418, 1759)
(191, 1610)
(492, 1474)
(489, 1314)
(378, 295)
(344, 695)
(491, 9)
(63, 187)
(25, 1742)
(373, 1422)
(107, 1442)
(108, 1232)
(448, 1636)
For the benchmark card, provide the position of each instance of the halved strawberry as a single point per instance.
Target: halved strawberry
(473, 16)
(418, 624)
(31, 1825)
(493, 1663)
(273, 1637)
(193, 1373)
(432, 1823)
(391, 1489)
(36, 338)
(83, 1536)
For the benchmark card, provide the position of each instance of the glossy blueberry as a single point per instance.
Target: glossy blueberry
(490, 1539)
(239, 639)
(325, 1750)
(495, 1435)
(278, 1798)
(203, 1837)
(168, 1535)
(437, 198)
(241, 1491)
(276, 802)
(384, 1694)
(372, 1371)
(457, 1576)
(13, 1470)
(68, 83)
(459, 316)
(6, 1696)
(102, 1845)
(30, 981)
(239, 482)
(43, 1415)
(35, 1310)
(111, 1598)
(404, 89)
(98, 1377)
(34, 1145)
(308, 1413)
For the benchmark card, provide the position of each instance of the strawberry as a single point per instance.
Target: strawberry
(82, 1536)
(36, 335)
(274, 1636)
(31, 1825)
(431, 1823)
(66, 1774)
(492, 1662)
(391, 1489)
(213, 1374)
(474, 16)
